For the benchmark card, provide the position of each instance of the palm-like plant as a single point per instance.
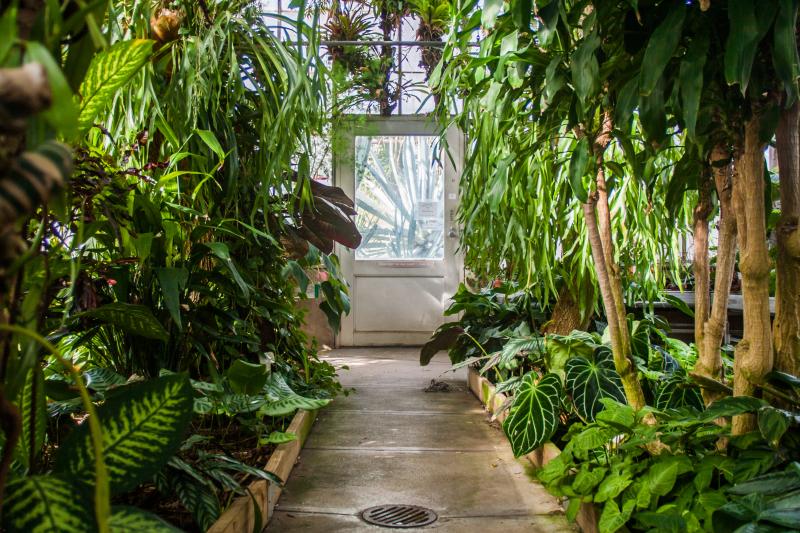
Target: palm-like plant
(399, 197)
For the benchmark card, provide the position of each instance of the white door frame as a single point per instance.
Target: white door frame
(451, 270)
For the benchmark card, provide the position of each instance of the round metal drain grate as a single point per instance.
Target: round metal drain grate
(399, 516)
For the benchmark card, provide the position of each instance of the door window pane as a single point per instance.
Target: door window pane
(399, 197)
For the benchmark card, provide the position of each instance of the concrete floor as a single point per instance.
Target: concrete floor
(392, 442)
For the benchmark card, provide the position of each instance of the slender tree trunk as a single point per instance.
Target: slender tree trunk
(753, 355)
(786, 329)
(709, 362)
(598, 225)
(702, 272)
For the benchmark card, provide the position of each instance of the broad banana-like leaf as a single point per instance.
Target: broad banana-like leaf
(533, 416)
(131, 318)
(126, 519)
(109, 71)
(46, 504)
(143, 426)
(590, 380)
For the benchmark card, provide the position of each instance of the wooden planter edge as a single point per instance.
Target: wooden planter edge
(240, 515)
(484, 390)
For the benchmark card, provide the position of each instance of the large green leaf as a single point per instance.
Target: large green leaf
(126, 519)
(284, 401)
(585, 68)
(590, 380)
(578, 166)
(443, 339)
(661, 47)
(62, 113)
(748, 24)
(47, 504)
(109, 71)
(560, 348)
(143, 426)
(173, 282)
(691, 80)
(677, 392)
(533, 416)
(131, 318)
(247, 378)
(784, 48)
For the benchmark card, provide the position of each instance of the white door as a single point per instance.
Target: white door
(406, 191)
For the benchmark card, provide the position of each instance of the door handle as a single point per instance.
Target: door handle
(452, 233)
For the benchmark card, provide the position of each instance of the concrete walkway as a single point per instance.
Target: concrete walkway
(392, 442)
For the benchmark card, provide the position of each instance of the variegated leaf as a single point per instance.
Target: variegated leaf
(108, 72)
(47, 504)
(143, 426)
(589, 381)
(533, 416)
(126, 519)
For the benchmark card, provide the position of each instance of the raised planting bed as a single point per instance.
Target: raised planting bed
(484, 390)
(241, 515)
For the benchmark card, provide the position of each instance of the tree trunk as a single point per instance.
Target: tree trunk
(702, 272)
(567, 316)
(753, 355)
(709, 362)
(786, 329)
(598, 226)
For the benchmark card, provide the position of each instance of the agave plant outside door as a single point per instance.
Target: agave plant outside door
(405, 186)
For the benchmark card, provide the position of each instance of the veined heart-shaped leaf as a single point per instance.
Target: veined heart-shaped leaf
(143, 426)
(126, 519)
(589, 381)
(677, 392)
(131, 318)
(47, 503)
(108, 72)
(533, 416)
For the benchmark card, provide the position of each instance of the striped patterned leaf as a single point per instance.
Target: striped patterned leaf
(677, 392)
(533, 416)
(107, 73)
(284, 401)
(32, 177)
(126, 519)
(143, 426)
(132, 318)
(198, 498)
(33, 409)
(46, 504)
(589, 381)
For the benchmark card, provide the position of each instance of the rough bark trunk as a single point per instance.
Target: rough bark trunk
(566, 316)
(786, 329)
(709, 362)
(753, 355)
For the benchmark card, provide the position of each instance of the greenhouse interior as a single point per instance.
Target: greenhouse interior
(345, 266)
